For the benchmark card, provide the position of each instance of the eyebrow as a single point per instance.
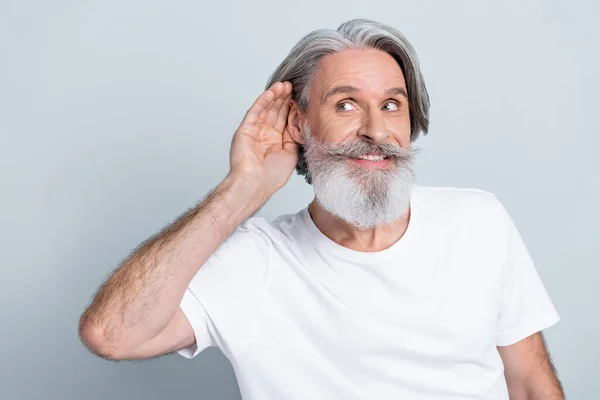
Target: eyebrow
(352, 89)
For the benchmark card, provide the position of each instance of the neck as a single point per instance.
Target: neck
(366, 240)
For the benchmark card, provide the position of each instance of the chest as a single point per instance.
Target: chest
(438, 310)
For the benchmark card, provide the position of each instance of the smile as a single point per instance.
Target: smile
(371, 161)
(372, 158)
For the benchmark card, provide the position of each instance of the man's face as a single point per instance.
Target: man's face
(359, 95)
(356, 136)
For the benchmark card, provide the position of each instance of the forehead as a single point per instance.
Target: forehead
(367, 69)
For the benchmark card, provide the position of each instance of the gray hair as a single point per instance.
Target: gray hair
(300, 66)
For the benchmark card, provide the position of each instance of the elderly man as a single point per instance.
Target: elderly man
(379, 289)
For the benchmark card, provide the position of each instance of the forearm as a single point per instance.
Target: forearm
(140, 298)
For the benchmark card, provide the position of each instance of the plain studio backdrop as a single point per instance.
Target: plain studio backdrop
(116, 116)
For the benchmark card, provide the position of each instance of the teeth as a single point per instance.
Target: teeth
(372, 158)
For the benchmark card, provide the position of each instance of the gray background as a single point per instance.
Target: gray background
(115, 116)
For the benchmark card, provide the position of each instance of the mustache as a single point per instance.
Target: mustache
(360, 148)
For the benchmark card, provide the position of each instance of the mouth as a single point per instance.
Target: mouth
(371, 161)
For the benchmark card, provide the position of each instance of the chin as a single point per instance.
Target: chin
(365, 199)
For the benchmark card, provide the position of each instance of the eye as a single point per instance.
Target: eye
(391, 106)
(344, 106)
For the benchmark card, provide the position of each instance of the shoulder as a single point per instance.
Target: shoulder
(460, 205)
(456, 199)
(284, 226)
(454, 196)
(252, 240)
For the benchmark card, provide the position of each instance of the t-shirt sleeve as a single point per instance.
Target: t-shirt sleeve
(526, 307)
(224, 297)
(196, 315)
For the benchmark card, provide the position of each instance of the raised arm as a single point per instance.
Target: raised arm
(135, 313)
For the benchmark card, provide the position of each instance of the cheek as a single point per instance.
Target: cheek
(404, 137)
(336, 129)
(333, 128)
(400, 130)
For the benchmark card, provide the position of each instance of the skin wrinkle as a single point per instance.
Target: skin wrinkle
(352, 90)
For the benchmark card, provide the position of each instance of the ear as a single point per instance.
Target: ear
(295, 123)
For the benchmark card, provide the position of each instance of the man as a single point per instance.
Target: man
(379, 289)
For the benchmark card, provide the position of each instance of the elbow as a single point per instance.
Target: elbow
(93, 337)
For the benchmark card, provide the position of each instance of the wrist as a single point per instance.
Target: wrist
(244, 194)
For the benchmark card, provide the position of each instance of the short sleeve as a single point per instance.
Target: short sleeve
(526, 307)
(196, 315)
(223, 298)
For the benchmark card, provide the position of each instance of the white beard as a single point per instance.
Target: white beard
(363, 197)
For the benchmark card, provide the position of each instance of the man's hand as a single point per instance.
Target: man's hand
(262, 150)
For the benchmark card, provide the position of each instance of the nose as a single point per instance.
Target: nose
(373, 128)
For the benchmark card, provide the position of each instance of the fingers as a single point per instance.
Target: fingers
(281, 102)
(284, 110)
(269, 105)
(256, 110)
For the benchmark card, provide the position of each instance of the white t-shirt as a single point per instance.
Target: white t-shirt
(302, 317)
